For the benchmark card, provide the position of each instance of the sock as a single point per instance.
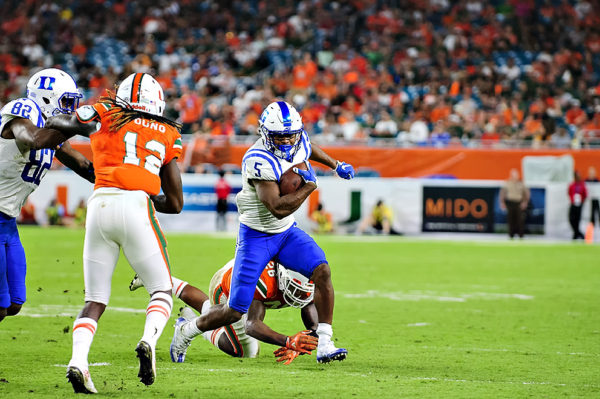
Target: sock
(324, 331)
(213, 336)
(157, 315)
(190, 329)
(178, 286)
(205, 306)
(83, 335)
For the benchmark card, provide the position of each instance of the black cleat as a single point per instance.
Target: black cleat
(147, 363)
(81, 380)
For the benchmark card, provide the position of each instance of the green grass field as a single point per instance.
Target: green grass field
(431, 319)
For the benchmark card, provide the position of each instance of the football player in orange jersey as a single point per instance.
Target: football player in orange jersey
(135, 151)
(277, 288)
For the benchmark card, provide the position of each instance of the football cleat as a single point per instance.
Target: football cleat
(147, 371)
(187, 313)
(135, 283)
(180, 343)
(331, 353)
(81, 380)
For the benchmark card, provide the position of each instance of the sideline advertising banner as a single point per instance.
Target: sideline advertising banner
(458, 209)
(476, 210)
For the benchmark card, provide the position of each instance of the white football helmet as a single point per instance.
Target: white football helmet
(54, 91)
(297, 290)
(142, 92)
(281, 119)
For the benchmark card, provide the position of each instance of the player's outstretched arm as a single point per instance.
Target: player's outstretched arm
(280, 207)
(29, 135)
(343, 169)
(255, 326)
(70, 125)
(170, 180)
(75, 161)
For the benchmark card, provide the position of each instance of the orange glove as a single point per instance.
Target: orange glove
(285, 355)
(302, 342)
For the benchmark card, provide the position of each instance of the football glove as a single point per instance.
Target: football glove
(302, 342)
(309, 176)
(285, 355)
(344, 170)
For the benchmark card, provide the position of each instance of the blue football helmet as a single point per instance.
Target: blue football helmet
(281, 119)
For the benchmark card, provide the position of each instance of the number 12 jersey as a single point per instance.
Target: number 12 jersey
(131, 158)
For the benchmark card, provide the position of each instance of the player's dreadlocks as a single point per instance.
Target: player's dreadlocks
(121, 113)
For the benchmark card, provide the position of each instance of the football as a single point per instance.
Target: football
(290, 181)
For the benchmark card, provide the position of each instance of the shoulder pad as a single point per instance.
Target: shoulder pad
(86, 113)
(261, 165)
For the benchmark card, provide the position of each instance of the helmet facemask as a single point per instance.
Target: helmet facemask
(283, 151)
(297, 290)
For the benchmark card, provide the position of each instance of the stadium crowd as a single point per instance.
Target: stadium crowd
(408, 72)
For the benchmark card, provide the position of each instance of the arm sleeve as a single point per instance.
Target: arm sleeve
(305, 143)
(174, 149)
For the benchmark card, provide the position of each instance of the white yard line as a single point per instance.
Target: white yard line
(66, 310)
(416, 295)
(468, 349)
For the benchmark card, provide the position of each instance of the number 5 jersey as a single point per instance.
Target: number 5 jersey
(260, 164)
(21, 169)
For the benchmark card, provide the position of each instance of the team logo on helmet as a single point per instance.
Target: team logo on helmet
(143, 93)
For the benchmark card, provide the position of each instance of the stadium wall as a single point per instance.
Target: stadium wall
(420, 162)
(419, 205)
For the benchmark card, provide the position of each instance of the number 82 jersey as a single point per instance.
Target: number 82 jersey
(131, 158)
(21, 169)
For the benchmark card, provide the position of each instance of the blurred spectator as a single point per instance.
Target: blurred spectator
(190, 109)
(27, 215)
(80, 213)
(380, 220)
(577, 196)
(55, 213)
(323, 220)
(595, 212)
(222, 189)
(514, 197)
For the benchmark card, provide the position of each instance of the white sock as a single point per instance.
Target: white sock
(213, 336)
(324, 331)
(83, 335)
(190, 329)
(205, 306)
(157, 315)
(178, 286)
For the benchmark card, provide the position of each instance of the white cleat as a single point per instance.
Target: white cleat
(180, 343)
(81, 380)
(147, 371)
(187, 313)
(330, 353)
(135, 283)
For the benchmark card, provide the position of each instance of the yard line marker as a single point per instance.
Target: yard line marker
(435, 296)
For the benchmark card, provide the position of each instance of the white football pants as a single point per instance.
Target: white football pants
(123, 219)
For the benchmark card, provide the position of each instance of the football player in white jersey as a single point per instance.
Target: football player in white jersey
(26, 153)
(268, 231)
